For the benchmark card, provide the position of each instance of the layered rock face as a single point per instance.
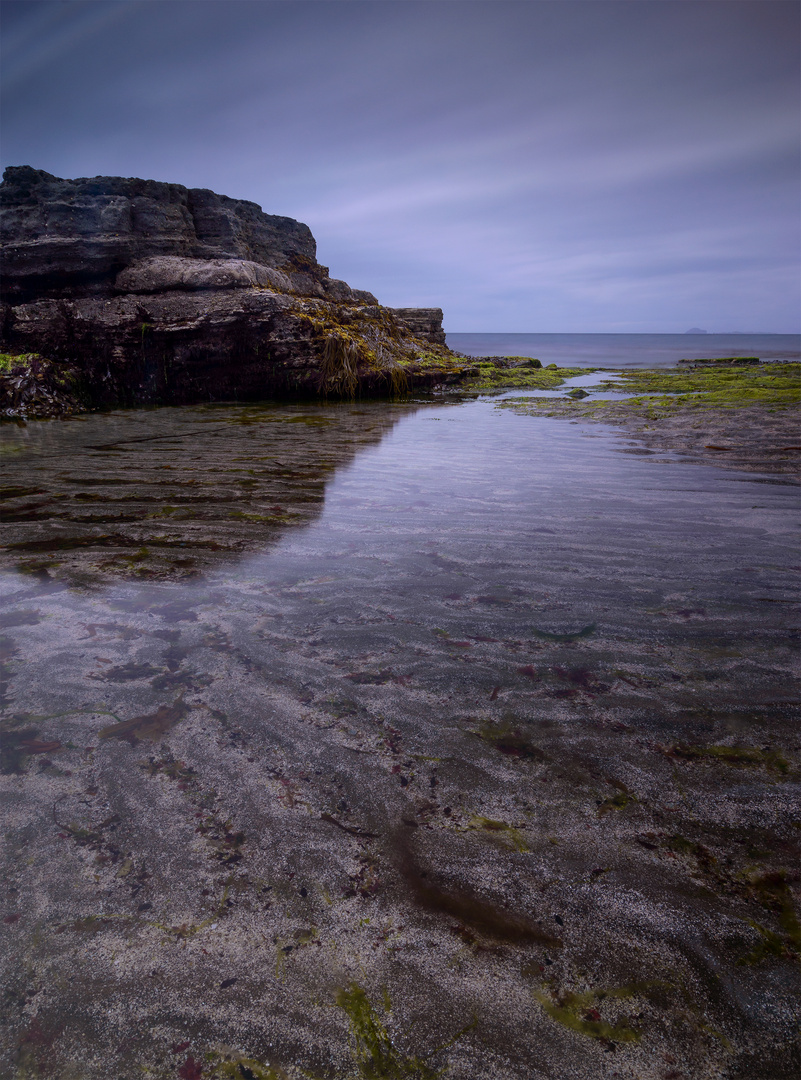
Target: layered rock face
(70, 238)
(152, 292)
(423, 322)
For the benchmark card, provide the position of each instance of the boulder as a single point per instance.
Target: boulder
(163, 272)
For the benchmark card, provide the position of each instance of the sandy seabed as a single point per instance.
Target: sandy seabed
(399, 740)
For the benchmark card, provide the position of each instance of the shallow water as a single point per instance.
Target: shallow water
(428, 741)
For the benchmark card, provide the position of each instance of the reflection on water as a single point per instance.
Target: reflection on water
(169, 492)
(486, 684)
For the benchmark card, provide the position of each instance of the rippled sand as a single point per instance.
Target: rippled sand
(376, 739)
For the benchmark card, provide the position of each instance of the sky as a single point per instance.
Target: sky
(538, 166)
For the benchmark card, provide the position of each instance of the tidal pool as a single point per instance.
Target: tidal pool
(395, 740)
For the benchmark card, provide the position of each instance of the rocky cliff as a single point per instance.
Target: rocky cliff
(146, 292)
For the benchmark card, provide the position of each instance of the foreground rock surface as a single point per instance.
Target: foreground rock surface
(145, 292)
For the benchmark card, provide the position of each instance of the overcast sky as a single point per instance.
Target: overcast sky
(534, 166)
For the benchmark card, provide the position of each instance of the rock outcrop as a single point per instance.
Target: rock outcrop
(422, 322)
(146, 292)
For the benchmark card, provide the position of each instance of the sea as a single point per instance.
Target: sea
(628, 350)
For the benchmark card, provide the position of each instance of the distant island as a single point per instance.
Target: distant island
(696, 330)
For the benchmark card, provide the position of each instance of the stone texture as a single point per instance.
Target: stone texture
(66, 238)
(156, 293)
(163, 272)
(423, 322)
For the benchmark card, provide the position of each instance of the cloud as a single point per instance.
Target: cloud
(511, 161)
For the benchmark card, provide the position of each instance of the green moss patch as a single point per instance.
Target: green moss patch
(716, 386)
(375, 1055)
(581, 1013)
(492, 376)
(508, 834)
(736, 756)
(9, 363)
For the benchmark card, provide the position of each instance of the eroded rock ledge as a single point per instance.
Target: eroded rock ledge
(141, 292)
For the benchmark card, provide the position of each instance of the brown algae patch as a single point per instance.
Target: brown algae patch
(150, 727)
(736, 756)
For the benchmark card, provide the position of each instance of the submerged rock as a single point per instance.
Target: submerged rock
(153, 293)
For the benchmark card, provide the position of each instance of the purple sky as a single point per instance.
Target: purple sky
(558, 166)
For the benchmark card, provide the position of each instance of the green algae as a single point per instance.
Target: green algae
(675, 390)
(579, 1013)
(736, 756)
(368, 349)
(9, 363)
(769, 888)
(186, 931)
(239, 1067)
(481, 917)
(495, 377)
(772, 891)
(568, 636)
(375, 1055)
(508, 834)
(17, 492)
(716, 386)
(618, 801)
(723, 360)
(508, 738)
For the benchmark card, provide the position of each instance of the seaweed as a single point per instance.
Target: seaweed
(509, 739)
(772, 891)
(339, 368)
(376, 1056)
(736, 756)
(524, 373)
(507, 833)
(151, 726)
(241, 1067)
(618, 801)
(580, 1013)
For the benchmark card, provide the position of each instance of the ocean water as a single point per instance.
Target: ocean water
(627, 350)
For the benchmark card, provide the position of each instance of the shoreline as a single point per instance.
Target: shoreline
(754, 439)
(736, 416)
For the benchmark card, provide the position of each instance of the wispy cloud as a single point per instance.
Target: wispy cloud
(556, 166)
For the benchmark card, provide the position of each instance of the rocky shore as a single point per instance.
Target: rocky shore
(136, 292)
(741, 416)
